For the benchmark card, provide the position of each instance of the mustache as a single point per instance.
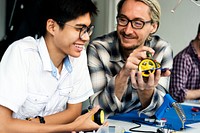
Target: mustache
(129, 36)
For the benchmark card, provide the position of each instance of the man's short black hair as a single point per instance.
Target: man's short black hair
(198, 29)
(64, 10)
(119, 6)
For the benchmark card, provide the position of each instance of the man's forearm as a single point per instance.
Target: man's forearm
(64, 117)
(145, 97)
(192, 94)
(121, 83)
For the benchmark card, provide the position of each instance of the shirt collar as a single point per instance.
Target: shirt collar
(46, 60)
(67, 63)
(192, 46)
(44, 55)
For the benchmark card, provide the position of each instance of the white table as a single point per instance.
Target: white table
(195, 128)
(127, 125)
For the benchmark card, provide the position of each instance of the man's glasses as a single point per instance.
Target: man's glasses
(83, 30)
(135, 23)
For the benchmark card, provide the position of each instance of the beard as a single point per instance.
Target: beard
(128, 46)
(126, 50)
(133, 47)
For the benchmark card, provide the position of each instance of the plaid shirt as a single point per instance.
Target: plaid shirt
(105, 61)
(185, 74)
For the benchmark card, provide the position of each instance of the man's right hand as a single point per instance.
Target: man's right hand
(85, 122)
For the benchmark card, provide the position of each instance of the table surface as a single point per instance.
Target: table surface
(127, 125)
(118, 124)
(195, 127)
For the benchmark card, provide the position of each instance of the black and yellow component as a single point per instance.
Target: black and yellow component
(148, 65)
(158, 65)
(98, 117)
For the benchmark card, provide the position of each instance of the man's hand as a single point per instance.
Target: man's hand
(130, 65)
(146, 85)
(85, 123)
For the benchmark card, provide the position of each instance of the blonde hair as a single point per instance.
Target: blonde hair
(154, 5)
(155, 11)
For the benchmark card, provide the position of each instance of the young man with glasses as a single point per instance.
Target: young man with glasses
(44, 81)
(113, 61)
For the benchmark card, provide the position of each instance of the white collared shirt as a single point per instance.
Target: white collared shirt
(30, 84)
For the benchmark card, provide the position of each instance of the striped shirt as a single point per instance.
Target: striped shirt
(105, 61)
(185, 74)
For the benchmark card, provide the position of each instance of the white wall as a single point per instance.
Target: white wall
(105, 21)
(181, 26)
(2, 18)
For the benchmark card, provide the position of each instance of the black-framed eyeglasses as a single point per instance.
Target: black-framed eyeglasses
(135, 23)
(83, 30)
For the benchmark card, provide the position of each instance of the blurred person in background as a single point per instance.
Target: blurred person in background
(185, 76)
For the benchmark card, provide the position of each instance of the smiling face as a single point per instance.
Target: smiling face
(66, 41)
(131, 38)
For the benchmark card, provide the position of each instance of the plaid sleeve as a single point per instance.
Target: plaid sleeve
(179, 77)
(103, 84)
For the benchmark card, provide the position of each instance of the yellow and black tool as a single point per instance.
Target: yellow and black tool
(98, 117)
(148, 65)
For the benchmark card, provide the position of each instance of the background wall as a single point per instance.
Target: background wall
(181, 26)
(2, 18)
(105, 21)
(178, 28)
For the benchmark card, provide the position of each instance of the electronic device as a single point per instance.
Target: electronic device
(98, 117)
(150, 65)
(169, 102)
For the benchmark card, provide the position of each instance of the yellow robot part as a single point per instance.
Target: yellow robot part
(147, 66)
(99, 117)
